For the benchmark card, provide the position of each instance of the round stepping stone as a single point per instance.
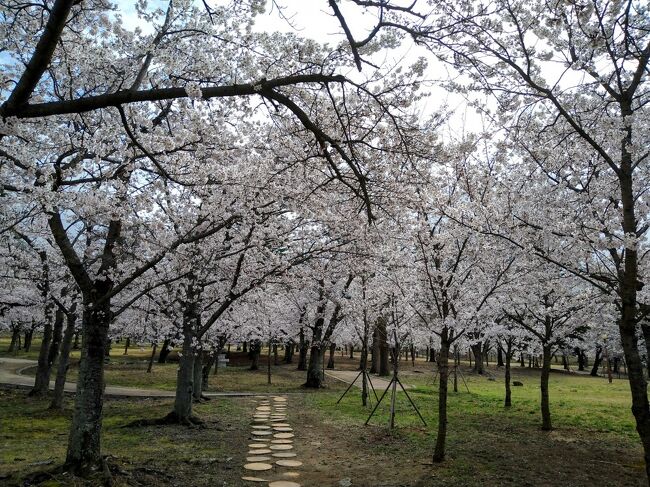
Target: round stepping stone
(254, 479)
(262, 433)
(261, 451)
(258, 458)
(288, 463)
(281, 447)
(284, 483)
(283, 436)
(261, 427)
(282, 442)
(281, 425)
(258, 466)
(284, 454)
(263, 408)
(282, 429)
(291, 475)
(258, 445)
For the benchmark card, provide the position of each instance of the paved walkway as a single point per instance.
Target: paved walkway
(348, 376)
(11, 373)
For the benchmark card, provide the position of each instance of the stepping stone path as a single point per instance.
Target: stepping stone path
(274, 462)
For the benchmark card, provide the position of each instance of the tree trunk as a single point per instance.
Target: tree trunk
(383, 347)
(546, 369)
(152, 357)
(508, 400)
(302, 352)
(522, 360)
(254, 354)
(477, 350)
(197, 371)
(352, 351)
(288, 353)
(64, 363)
(598, 358)
(330, 362)
(314, 377)
(443, 374)
(276, 358)
(565, 362)
(164, 351)
(84, 440)
(581, 359)
(185, 380)
(46, 352)
(499, 356)
(126, 346)
(15, 336)
(27, 343)
(374, 363)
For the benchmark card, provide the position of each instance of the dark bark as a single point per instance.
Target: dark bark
(383, 347)
(126, 346)
(15, 337)
(314, 375)
(302, 352)
(499, 356)
(84, 440)
(197, 371)
(351, 351)
(185, 379)
(522, 360)
(598, 358)
(64, 362)
(374, 363)
(545, 405)
(477, 350)
(254, 354)
(330, 362)
(508, 357)
(565, 362)
(288, 353)
(42, 380)
(443, 375)
(276, 358)
(582, 358)
(164, 351)
(152, 357)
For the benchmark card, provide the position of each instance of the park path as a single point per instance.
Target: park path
(11, 374)
(349, 376)
(272, 458)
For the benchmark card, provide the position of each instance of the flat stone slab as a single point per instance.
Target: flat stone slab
(258, 459)
(284, 454)
(254, 479)
(258, 466)
(284, 483)
(258, 445)
(262, 451)
(288, 463)
(283, 436)
(281, 447)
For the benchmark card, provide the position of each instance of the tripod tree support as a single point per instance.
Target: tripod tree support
(367, 376)
(396, 381)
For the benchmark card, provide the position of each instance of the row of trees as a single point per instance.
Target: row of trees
(198, 180)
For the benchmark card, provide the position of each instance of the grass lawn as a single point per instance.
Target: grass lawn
(594, 441)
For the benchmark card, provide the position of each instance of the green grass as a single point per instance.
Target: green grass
(33, 438)
(593, 429)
